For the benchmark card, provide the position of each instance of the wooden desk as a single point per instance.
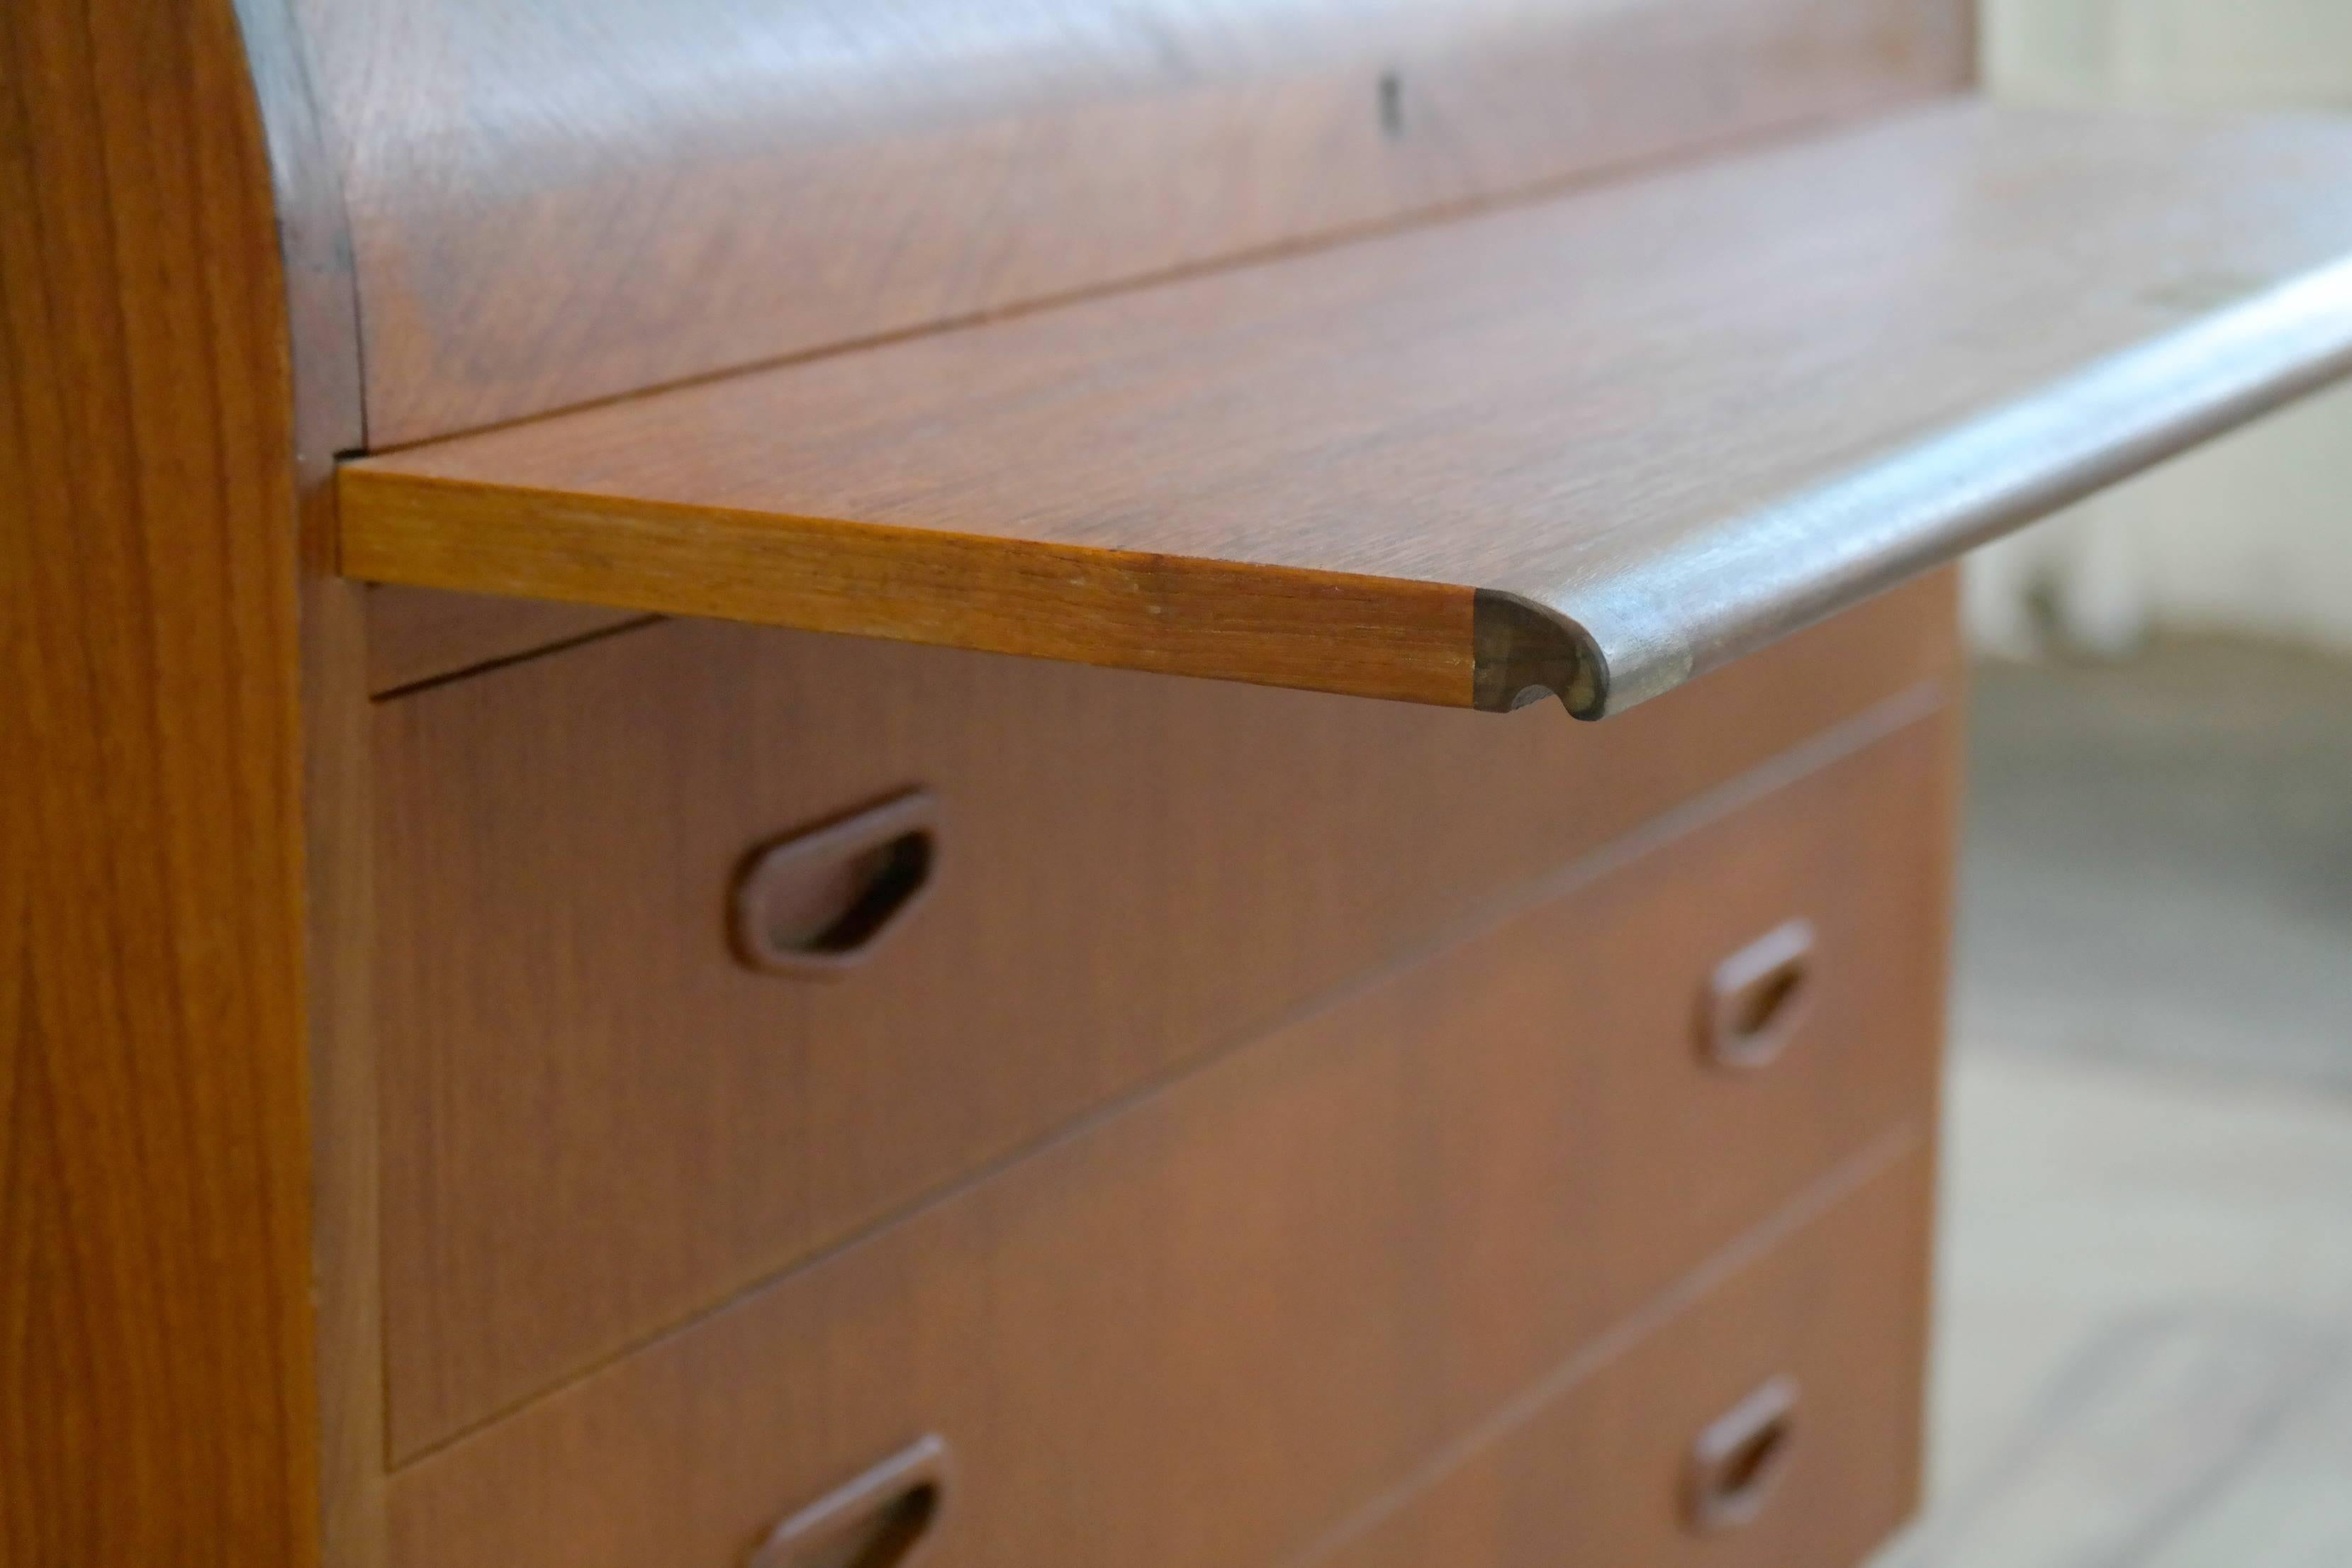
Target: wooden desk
(782, 788)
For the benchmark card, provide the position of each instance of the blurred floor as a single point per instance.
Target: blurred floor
(2159, 862)
(2146, 1318)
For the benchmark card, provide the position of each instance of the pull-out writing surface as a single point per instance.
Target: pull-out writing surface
(1589, 446)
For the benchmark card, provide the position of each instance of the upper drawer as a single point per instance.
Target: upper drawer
(1204, 1328)
(598, 1121)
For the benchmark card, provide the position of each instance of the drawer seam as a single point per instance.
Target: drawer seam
(1854, 1172)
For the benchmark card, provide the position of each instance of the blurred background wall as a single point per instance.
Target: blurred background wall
(2254, 534)
(2145, 1308)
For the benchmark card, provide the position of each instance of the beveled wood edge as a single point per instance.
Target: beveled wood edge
(1346, 634)
(1725, 592)
(1340, 633)
(1527, 653)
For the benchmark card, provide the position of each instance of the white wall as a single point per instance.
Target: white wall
(2179, 53)
(2255, 532)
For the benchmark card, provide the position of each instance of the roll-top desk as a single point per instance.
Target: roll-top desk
(792, 784)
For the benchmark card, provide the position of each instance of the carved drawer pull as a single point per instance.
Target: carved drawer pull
(820, 901)
(1757, 998)
(881, 1520)
(1740, 1458)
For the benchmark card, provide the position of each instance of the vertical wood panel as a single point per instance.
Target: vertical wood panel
(322, 304)
(155, 1380)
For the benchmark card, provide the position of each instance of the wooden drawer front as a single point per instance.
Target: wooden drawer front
(1199, 1329)
(1604, 1468)
(598, 1121)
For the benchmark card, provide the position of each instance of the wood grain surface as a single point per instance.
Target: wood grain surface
(554, 202)
(416, 634)
(156, 1380)
(346, 1293)
(1587, 1465)
(597, 1122)
(1203, 1329)
(1592, 445)
(192, 195)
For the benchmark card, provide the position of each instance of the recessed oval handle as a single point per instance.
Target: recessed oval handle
(819, 901)
(1738, 1461)
(1756, 997)
(881, 1520)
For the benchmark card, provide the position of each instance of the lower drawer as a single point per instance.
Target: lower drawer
(1201, 1330)
(1769, 1417)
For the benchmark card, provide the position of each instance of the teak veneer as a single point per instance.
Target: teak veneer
(1349, 1132)
(1589, 447)
(553, 202)
(1295, 1276)
(1118, 843)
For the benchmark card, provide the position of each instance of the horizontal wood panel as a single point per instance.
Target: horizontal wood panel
(1590, 1466)
(1590, 447)
(553, 203)
(1290, 1280)
(597, 1121)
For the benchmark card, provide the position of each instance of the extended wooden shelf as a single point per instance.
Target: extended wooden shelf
(1591, 446)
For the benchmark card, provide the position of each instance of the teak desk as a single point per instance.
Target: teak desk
(575, 1002)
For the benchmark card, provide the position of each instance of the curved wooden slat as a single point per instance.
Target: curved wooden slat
(554, 202)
